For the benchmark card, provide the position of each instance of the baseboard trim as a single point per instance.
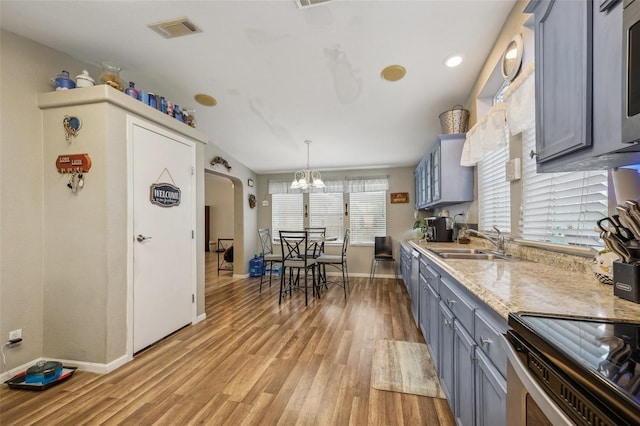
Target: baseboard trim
(91, 367)
(201, 318)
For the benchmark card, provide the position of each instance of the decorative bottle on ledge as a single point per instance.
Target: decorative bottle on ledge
(131, 90)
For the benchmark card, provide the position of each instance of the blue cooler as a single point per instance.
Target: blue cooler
(256, 266)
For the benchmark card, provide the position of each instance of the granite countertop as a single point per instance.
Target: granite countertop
(528, 286)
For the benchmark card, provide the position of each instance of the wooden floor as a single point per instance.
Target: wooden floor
(251, 362)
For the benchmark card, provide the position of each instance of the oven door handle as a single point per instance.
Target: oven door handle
(547, 405)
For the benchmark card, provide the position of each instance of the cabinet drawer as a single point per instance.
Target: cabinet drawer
(487, 336)
(424, 264)
(459, 304)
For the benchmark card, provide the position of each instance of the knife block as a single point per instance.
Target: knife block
(626, 281)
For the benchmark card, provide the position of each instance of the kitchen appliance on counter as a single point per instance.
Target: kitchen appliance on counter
(430, 232)
(569, 370)
(443, 229)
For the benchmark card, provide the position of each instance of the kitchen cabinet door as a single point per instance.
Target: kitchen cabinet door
(424, 305)
(491, 393)
(445, 353)
(428, 186)
(564, 64)
(578, 122)
(435, 174)
(418, 175)
(433, 326)
(464, 390)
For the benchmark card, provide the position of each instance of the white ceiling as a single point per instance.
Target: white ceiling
(281, 74)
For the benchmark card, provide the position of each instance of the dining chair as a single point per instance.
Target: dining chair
(225, 254)
(383, 252)
(316, 243)
(269, 258)
(337, 261)
(294, 258)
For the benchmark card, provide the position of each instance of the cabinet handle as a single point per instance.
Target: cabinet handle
(533, 154)
(447, 323)
(485, 341)
(607, 5)
(450, 302)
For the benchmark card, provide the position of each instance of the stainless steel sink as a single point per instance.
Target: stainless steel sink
(477, 256)
(455, 250)
(469, 253)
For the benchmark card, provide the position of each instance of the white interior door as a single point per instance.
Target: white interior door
(163, 249)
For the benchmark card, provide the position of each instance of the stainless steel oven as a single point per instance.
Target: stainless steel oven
(631, 71)
(572, 371)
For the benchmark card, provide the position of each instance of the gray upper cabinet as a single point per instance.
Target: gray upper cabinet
(578, 52)
(563, 39)
(445, 181)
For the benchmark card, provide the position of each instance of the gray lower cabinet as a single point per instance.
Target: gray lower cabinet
(405, 263)
(463, 335)
(445, 353)
(464, 390)
(490, 392)
(423, 320)
(433, 326)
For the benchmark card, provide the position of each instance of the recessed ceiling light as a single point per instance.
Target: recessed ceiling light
(206, 100)
(393, 72)
(453, 61)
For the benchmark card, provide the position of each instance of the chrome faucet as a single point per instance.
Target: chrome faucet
(498, 242)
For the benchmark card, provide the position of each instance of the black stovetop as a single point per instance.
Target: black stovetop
(602, 355)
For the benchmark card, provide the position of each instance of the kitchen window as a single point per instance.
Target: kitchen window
(561, 208)
(364, 213)
(494, 198)
(326, 211)
(367, 216)
(286, 213)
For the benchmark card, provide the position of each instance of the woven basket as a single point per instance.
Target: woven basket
(456, 120)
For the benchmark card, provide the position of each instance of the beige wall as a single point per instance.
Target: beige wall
(218, 196)
(25, 70)
(489, 79)
(65, 288)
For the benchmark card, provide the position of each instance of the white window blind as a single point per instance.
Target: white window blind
(561, 208)
(326, 210)
(494, 199)
(286, 213)
(367, 216)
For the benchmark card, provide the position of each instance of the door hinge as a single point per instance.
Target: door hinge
(193, 234)
(193, 170)
(193, 298)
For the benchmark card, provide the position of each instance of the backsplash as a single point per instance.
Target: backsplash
(569, 262)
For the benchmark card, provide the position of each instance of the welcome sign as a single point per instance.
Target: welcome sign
(165, 195)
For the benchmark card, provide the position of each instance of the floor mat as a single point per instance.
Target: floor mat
(404, 367)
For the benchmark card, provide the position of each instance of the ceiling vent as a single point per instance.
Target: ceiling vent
(308, 3)
(175, 28)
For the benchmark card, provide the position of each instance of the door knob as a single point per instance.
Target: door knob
(141, 238)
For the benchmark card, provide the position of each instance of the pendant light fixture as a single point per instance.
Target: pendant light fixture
(307, 178)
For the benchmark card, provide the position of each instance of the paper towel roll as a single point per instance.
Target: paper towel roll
(626, 183)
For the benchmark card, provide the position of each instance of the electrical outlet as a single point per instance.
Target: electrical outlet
(15, 334)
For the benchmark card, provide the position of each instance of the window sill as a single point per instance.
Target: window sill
(559, 248)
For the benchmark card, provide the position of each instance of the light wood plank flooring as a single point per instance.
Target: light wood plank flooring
(251, 362)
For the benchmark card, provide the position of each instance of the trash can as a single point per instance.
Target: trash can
(256, 266)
